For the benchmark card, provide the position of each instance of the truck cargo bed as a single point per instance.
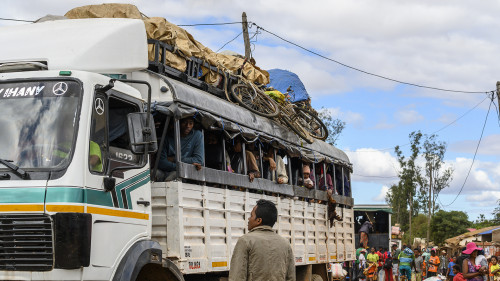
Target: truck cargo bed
(198, 226)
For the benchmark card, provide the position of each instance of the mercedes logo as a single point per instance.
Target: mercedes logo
(99, 106)
(60, 88)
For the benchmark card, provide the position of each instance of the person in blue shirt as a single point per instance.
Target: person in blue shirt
(192, 150)
(406, 262)
(450, 274)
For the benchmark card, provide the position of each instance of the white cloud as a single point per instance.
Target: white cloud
(371, 165)
(381, 196)
(408, 116)
(351, 118)
(490, 145)
(447, 118)
(485, 197)
(483, 176)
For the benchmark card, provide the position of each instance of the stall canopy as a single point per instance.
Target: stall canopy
(217, 114)
(373, 208)
(488, 231)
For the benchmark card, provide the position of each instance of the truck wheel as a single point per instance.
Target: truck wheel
(316, 277)
(155, 272)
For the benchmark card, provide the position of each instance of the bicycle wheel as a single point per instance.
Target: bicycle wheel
(312, 123)
(292, 121)
(255, 101)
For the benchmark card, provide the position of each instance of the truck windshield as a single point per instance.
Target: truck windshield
(38, 121)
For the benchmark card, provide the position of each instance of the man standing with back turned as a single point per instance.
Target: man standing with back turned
(261, 254)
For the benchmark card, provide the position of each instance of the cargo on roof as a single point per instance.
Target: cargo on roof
(185, 45)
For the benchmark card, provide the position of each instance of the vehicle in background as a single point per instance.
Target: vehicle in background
(380, 216)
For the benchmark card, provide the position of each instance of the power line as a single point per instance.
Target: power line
(7, 19)
(475, 153)
(219, 23)
(382, 177)
(366, 72)
(442, 128)
(229, 42)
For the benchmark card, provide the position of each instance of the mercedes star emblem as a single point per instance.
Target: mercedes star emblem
(60, 88)
(99, 106)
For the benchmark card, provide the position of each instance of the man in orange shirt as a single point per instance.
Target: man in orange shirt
(433, 264)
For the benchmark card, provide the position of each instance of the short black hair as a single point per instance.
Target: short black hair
(266, 210)
(433, 252)
(457, 267)
(494, 257)
(394, 245)
(361, 245)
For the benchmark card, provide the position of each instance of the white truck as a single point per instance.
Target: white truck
(73, 90)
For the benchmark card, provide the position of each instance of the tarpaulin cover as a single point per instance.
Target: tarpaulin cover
(183, 42)
(214, 113)
(282, 79)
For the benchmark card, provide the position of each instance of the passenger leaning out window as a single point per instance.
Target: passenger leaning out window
(278, 166)
(237, 160)
(192, 150)
(308, 180)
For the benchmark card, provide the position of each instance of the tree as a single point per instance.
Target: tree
(334, 126)
(436, 178)
(409, 176)
(496, 214)
(448, 224)
(482, 222)
(419, 182)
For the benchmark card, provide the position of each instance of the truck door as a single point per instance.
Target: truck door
(120, 215)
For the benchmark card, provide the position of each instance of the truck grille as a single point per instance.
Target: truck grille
(26, 243)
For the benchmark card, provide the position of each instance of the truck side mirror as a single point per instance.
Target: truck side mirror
(139, 134)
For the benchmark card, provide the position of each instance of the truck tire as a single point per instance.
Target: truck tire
(156, 272)
(316, 277)
(139, 257)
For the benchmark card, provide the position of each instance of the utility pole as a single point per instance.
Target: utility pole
(430, 204)
(246, 39)
(411, 214)
(498, 94)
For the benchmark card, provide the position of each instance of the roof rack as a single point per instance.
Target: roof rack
(193, 71)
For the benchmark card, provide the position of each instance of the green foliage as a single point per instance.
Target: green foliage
(496, 214)
(419, 225)
(410, 197)
(482, 222)
(334, 126)
(445, 225)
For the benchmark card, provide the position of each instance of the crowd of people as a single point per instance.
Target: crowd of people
(257, 160)
(418, 264)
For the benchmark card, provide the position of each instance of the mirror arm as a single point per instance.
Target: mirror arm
(160, 148)
(109, 182)
(147, 130)
(104, 89)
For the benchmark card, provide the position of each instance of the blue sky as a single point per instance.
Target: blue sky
(446, 44)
